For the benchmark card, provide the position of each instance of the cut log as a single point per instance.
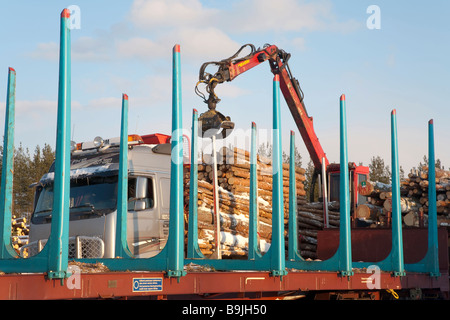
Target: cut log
(368, 211)
(406, 205)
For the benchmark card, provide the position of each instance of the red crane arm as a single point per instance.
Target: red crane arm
(230, 68)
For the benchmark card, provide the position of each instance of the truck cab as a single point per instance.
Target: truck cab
(357, 176)
(93, 198)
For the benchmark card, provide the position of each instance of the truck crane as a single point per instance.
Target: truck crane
(81, 224)
(228, 69)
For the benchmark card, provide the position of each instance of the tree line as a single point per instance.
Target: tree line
(28, 169)
(378, 171)
(382, 173)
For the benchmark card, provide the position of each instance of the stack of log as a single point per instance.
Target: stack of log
(234, 188)
(416, 187)
(310, 221)
(374, 211)
(413, 202)
(19, 232)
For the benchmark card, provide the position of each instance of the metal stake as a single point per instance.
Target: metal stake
(217, 253)
(277, 246)
(397, 238)
(430, 263)
(6, 195)
(175, 243)
(293, 234)
(254, 251)
(193, 250)
(325, 193)
(121, 245)
(59, 238)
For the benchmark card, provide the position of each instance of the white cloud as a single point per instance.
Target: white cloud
(84, 49)
(104, 103)
(152, 27)
(228, 90)
(91, 49)
(204, 44)
(206, 33)
(45, 51)
(35, 107)
(244, 16)
(281, 15)
(299, 43)
(142, 48)
(170, 13)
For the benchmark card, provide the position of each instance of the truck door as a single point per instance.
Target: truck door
(143, 216)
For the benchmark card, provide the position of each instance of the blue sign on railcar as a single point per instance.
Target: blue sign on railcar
(147, 284)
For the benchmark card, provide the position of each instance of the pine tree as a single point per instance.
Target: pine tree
(27, 170)
(438, 164)
(23, 178)
(298, 157)
(309, 172)
(42, 160)
(265, 150)
(379, 171)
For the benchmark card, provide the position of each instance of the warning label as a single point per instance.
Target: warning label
(147, 284)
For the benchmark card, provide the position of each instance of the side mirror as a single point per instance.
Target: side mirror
(139, 205)
(141, 187)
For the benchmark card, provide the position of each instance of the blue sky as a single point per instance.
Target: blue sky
(126, 47)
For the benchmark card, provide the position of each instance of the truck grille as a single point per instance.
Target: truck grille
(79, 247)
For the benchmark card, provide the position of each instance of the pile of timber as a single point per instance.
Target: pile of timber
(310, 220)
(413, 202)
(19, 233)
(416, 187)
(373, 210)
(233, 166)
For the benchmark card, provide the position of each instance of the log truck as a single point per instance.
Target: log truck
(228, 69)
(94, 171)
(93, 198)
(47, 276)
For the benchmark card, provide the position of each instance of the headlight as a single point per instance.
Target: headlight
(98, 142)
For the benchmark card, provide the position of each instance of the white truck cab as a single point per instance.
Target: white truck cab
(93, 199)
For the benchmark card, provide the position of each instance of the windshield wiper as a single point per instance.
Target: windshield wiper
(43, 211)
(86, 205)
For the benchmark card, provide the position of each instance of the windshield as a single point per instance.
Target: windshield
(89, 197)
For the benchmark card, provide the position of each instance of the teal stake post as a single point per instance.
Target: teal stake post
(394, 261)
(121, 245)
(345, 252)
(59, 238)
(277, 246)
(341, 261)
(293, 234)
(397, 237)
(193, 250)
(253, 245)
(53, 258)
(6, 191)
(430, 263)
(171, 258)
(176, 225)
(273, 260)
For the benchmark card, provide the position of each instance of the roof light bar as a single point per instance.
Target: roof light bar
(100, 143)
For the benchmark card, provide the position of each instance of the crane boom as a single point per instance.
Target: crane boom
(232, 67)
